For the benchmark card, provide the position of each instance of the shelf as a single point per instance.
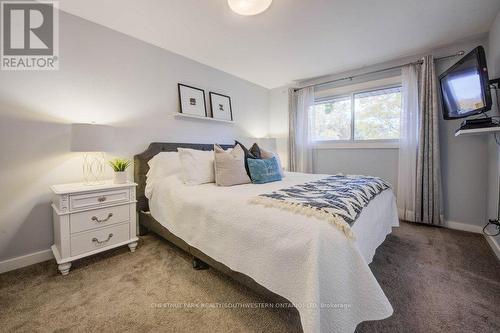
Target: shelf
(189, 116)
(476, 131)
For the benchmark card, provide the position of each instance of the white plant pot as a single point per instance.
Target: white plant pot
(120, 177)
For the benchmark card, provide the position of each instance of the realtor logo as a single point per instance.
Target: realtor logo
(29, 35)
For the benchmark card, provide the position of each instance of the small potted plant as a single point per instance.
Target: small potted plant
(120, 166)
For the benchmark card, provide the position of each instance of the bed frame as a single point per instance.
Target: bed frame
(148, 223)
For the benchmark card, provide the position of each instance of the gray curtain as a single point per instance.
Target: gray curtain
(428, 186)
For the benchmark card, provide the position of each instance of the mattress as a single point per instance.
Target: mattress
(304, 259)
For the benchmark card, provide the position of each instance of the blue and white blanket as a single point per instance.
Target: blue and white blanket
(338, 199)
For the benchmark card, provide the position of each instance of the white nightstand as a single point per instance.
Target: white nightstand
(89, 219)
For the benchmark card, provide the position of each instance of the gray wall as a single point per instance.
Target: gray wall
(374, 162)
(278, 121)
(493, 149)
(464, 159)
(464, 163)
(109, 78)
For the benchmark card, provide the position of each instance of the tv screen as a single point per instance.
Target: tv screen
(465, 86)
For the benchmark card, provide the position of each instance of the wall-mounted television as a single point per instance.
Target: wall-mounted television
(465, 86)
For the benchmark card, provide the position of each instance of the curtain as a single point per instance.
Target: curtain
(428, 184)
(408, 144)
(300, 136)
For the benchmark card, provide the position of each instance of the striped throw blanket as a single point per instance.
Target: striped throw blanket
(338, 199)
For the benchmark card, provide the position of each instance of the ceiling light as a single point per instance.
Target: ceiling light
(249, 7)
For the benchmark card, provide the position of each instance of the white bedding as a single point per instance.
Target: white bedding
(304, 259)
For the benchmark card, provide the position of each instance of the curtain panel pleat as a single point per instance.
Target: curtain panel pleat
(408, 143)
(300, 149)
(428, 203)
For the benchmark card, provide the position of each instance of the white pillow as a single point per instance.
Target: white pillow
(197, 166)
(163, 165)
(160, 166)
(265, 155)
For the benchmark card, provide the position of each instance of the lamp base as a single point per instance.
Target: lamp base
(93, 168)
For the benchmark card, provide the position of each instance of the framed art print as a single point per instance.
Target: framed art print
(192, 100)
(221, 106)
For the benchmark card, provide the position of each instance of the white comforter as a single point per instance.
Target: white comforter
(305, 260)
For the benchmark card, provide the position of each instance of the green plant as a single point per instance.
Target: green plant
(119, 164)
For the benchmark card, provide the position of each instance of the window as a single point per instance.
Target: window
(359, 116)
(332, 119)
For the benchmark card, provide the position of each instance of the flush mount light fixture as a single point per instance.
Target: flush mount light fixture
(249, 7)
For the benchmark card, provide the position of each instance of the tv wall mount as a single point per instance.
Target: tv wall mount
(485, 121)
(495, 82)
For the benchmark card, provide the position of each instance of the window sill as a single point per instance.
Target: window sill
(356, 145)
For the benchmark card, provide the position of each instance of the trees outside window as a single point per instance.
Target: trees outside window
(368, 115)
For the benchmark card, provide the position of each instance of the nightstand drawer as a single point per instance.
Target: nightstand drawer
(96, 239)
(82, 201)
(99, 217)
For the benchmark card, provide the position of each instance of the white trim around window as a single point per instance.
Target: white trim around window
(351, 91)
(356, 144)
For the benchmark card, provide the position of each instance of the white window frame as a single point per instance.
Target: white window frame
(352, 143)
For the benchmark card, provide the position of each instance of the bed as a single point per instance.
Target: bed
(286, 257)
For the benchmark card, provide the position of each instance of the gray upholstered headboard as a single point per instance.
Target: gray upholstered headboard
(141, 166)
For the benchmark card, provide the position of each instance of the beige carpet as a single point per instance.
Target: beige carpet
(436, 279)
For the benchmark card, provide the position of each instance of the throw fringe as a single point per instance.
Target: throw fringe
(301, 209)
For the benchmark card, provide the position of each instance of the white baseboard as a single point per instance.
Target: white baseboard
(475, 229)
(463, 226)
(494, 245)
(26, 260)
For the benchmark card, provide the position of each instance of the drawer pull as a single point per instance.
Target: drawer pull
(95, 219)
(101, 199)
(95, 240)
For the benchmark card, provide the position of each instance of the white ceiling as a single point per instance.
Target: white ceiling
(294, 39)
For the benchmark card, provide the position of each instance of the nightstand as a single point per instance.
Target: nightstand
(89, 219)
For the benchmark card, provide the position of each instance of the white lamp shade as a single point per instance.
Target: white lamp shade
(249, 7)
(91, 137)
(267, 143)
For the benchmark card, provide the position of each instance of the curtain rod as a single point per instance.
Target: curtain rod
(458, 54)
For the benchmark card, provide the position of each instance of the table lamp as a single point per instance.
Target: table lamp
(267, 143)
(93, 140)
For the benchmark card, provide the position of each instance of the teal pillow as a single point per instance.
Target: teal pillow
(264, 171)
